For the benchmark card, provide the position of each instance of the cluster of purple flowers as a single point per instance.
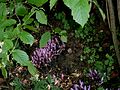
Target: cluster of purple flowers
(80, 86)
(95, 76)
(42, 56)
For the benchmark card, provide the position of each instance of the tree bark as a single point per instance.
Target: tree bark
(112, 26)
(118, 9)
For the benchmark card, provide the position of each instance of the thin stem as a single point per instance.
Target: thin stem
(16, 13)
(13, 47)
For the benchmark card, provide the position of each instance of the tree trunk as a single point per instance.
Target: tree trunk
(112, 26)
(118, 9)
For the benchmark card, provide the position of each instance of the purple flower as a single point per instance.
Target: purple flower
(94, 75)
(42, 56)
(80, 86)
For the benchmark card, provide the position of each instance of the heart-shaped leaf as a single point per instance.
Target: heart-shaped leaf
(80, 10)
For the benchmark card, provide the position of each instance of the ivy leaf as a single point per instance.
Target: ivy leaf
(44, 39)
(52, 3)
(37, 2)
(32, 69)
(21, 9)
(26, 37)
(8, 44)
(21, 57)
(41, 17)
(80, 10)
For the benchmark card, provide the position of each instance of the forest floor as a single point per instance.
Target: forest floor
(67, 68)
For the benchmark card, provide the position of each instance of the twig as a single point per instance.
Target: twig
(16, 13)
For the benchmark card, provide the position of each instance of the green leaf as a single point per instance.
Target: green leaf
(41, 17)
(31, 28)
(107, 55)
(64, 38)
(37, 2)
(26, 19)
(12, 33)
(99, 65)
(106, 62)
(18, 85)
(29, 21)
(55, 88)
(8, 44)
(52, 3)
(4, 72)
(80, 10)
(26, 37)
(8, 22)
(49, 79)
(5, 58)
(87, 50)
(21, 9)
(63, 32)
(32, 69)
(44, 39)
(1, 35)
(11, 8)
(100, 88)
(21, 57)
(16, 32)
(18, 1)
(3, 10)
(57, 30)
(2, 1)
